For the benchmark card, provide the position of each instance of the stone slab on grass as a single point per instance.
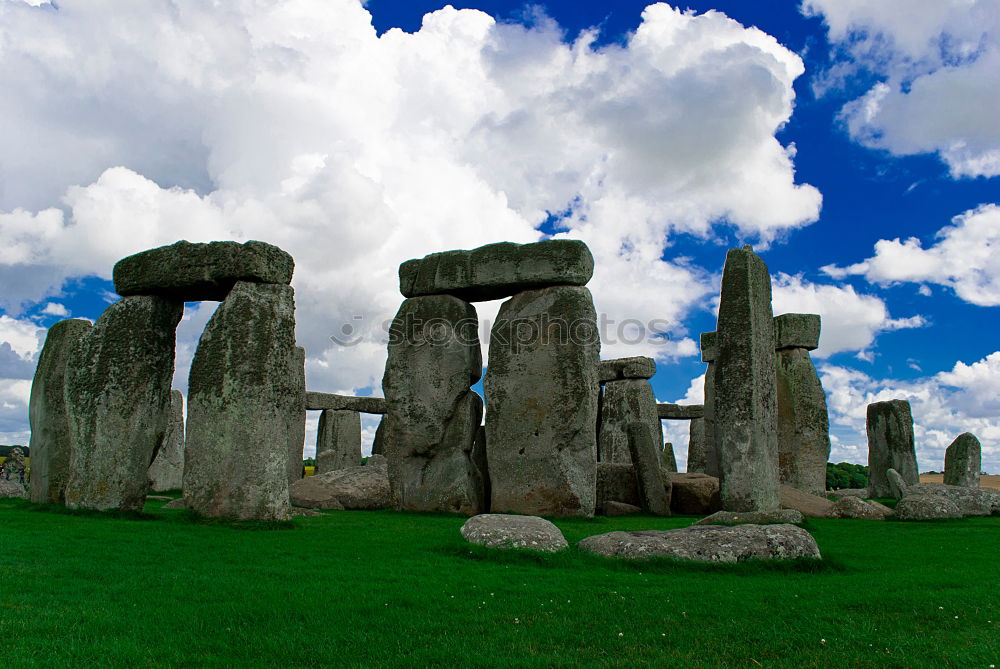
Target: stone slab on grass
(498, 530)
(707, 543)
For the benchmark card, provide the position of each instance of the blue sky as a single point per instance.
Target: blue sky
(854, 146)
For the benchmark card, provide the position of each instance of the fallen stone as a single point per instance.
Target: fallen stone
(694, 494)
(118, 402)
(167, 470)
(926, 507)
(338, 440)
(796, 331)
(970, 501)
(624, 402)
(803, 421)
(653, 489)
(680, 411)
(897, 486)
(881, 508)
(890, 445)
(12, 488)
(50, 431)
(616, 509)
(362, 487)
(188, 272)
(963, 461)
(324, 401)
(237, 451)
(542, 390)
(745, 411)
(752, 517)
(637, 367)
(667, 460)
(813, 506)
(849, 492)
(707, 543)
(854, 507)
(495, 530)
(434, 357)
(497, 271)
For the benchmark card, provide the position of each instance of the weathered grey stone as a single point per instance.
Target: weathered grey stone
(338, 441)
(378, 442)
(167, 470)
(237, 451)
(624, 402)
(434, 357)
(745, 411)
(970, 501)
(926, 507)
(803, 422)
(50, 431)
(696, 446)
(480, 458)
(796, 331)
(296, 412)
(708, 460)
(752, 517)
(361, 487)
(897, 486)
(849, 492)
(179, 503)
(654, 490)
(854, 507)
(542, 390)
(496, 530)
(496, 271)
(708, 543)
(680, 411)
(709, 346)
(12, 488)
(193, 272)
(667, 460)
(323, 401)
(694, 494)
(637, 367)
(813, 506)
(118, 402)
(616, 482)
(963, 461)
(890, 445)
(617, 509)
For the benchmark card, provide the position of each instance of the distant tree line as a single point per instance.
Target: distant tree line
(846, 475)
(5, 450)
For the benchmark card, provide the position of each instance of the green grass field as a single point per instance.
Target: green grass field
(361, 589)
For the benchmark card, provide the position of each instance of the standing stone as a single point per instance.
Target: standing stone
(745, 400)
(655, 495)
(962, 461)
(50, 431)
(338, 440)
(624, 402)
(803, 421)
(434, 358)
(378, 443)
(696, 446)
(667, 460)
(118, 400)
(890, 445)
(167, 470)
(236, 456)
(296, 412)
(706, 460)
(542, 389)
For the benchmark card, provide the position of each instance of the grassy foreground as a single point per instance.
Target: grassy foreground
(359, 589)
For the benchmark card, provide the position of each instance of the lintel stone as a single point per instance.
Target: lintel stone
(321, 401)
(796, 331)
(637, 367)
(680, 411)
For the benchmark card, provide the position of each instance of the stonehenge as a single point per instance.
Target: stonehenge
(627, 397)
(167, 470)
(962, 461)
(890, 446)
(338, 440)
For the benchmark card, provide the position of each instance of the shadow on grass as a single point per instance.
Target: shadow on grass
(184, 516)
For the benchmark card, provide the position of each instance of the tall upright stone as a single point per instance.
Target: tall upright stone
(338, 440)
(803, 421)
(963, 461)
(167, 470)
(296, 412)
(696, 446)
(745, 411)
(50, 430)
(378, 442)
(653, 489)
(890, 445)
(118, 401)
(434, 358)
(237, 451)
(667, 459)
(626, 401)
(703, 453)
(542, 392)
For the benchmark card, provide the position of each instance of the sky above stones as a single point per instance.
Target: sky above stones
(854, 144)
